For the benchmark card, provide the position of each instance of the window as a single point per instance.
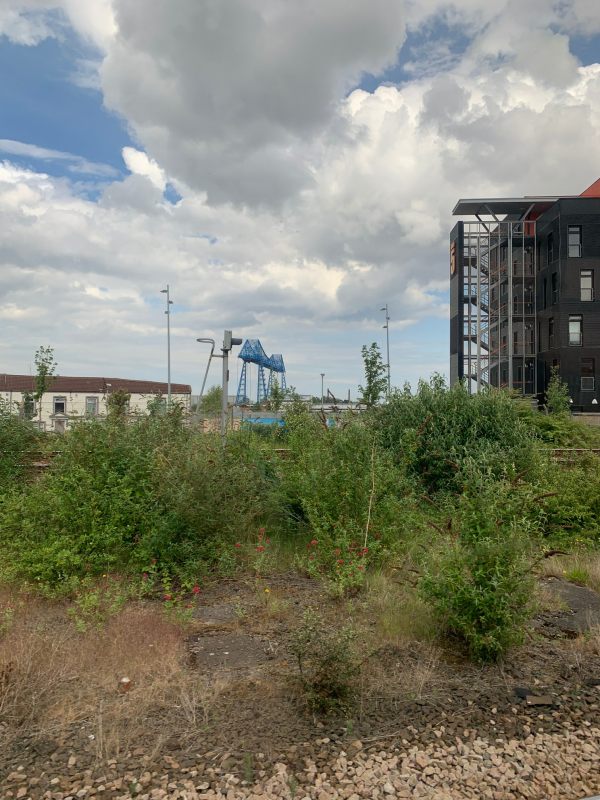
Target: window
(574, 241)
(554, 288)
(60, 405)
(28, 406)
(586, 283)
(544, 304)
(588, 369)
(91, 406)
(551, 333)
(550, 249)
(575, 330)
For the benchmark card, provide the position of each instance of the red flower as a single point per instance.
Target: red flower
(145, 576)
(237, 544)
(313, 542)
(196, 589)
(340, 561)
(260, 548)
(153, 561)
(167, 597)
(364, 551)
(337, 551)
(360, 567)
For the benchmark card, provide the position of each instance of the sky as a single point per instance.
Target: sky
(288, 168)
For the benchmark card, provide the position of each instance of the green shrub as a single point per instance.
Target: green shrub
(123, 496)
(570, 504)
(348, 494)
(479, 583)
(18, 438)
(327, 663)
(433, 432)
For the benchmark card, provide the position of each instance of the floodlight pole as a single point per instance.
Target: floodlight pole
(168, 313)
(387, 336)
(211, 342)
(322, 391)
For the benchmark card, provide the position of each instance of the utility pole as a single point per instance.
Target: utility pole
(322, 391)
(387, 336)
(168, 313)
(228, 342)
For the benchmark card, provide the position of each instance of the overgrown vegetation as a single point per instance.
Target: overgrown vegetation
(458, 496)
(327, 662)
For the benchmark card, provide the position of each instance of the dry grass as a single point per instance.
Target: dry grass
(53, 677)
(583, 568)
(397, 611)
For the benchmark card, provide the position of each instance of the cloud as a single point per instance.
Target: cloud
(231, 96)
(75, 163)
(28, 22)
(306, 203)
(138, 163)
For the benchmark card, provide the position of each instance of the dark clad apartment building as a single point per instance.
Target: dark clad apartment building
(525, 294)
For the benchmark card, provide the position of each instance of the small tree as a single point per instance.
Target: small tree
(375, 376)
(118, 404)
(557, 394)
(210, 404)
(45, 370)
(276, 397)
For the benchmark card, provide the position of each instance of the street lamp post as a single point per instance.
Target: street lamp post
(168, 313)
(387, 336)
(322, 391)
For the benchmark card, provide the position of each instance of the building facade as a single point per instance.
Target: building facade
(69, 399)
(523, 279)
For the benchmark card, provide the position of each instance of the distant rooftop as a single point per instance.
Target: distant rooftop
(64, 383)
(516, 207)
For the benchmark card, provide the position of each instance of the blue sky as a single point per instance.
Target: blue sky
(316, 215)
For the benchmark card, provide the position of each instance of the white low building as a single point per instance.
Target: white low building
(69, 399)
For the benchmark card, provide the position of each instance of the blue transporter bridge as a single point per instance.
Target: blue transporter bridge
(252, 352)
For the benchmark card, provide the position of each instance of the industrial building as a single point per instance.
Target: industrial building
(523, 274)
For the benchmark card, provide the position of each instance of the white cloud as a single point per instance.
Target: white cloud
(138, 163)
(29, 22)
(76, 164)
(305, 204)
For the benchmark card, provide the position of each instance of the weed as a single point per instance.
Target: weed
(248, 768)
(480, 585)
(327, 664)
(578, 575)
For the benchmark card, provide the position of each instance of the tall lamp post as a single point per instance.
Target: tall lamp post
(168, 313)
(322, 391)
(387, 336)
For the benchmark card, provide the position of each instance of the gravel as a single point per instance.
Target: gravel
(565, 765)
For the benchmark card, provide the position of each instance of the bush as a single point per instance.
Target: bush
(347, 492)
(433, 432)
(124, 496)
(570, 508)
(18, 438)
(480, 583)
(327, 663)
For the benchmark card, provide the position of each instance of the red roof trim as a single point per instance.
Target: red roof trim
(593, 190)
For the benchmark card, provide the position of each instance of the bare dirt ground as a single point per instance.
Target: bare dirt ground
(216, 711)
